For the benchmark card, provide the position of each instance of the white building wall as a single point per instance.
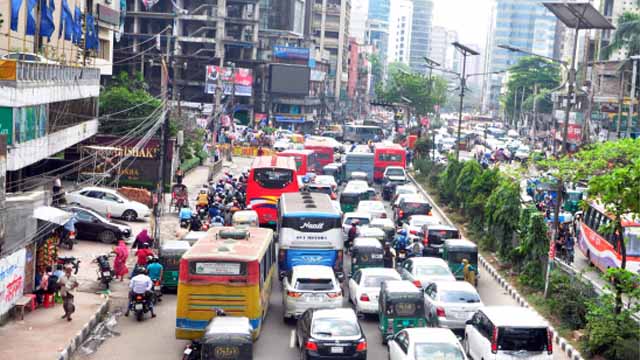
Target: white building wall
(358, 21)
(400, 26)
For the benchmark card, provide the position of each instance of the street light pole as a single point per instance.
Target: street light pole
(465, 51)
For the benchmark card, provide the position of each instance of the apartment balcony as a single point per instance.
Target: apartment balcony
(27, 153)
(29, 83)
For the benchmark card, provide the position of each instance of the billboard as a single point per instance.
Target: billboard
(242, 79)
(289, 79)
(291, 53)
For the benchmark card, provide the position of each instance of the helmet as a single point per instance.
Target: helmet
(403, 232)
(150, 258)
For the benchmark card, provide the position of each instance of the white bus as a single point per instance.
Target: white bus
(309, 232)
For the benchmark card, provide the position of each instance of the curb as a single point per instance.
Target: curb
(83, 334)
(559, 341)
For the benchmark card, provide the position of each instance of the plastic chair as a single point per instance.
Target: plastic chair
(34, 301)
(49, 300)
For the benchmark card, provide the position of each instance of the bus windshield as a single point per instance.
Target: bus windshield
(273, 178)
(632, 239)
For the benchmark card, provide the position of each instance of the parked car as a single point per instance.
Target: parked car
(309, 287)
(522, 153)
(394, 173)
(92, 226)
(28, 57)
(108, 201)
(411, 205)
(373, 207)
(364, 288)
(449, 304)
(422, 271)
(425, 343)
(330, 333)
(507, 332)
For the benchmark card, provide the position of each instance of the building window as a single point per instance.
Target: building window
(105, 50)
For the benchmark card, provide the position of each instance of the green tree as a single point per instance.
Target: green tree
(447, 182)
(481, 187)
(471, 170)
(543, 102)
(530, 256)
(128, 102)
(626, 36)
(502, 212)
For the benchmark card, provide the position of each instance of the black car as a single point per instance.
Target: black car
(92, 226)
(411, 205)
(389, 188)
(330, 334)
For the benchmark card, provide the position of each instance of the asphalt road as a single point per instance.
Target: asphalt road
(154, 338)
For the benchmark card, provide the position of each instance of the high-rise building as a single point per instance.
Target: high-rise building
(358, 22)
(378, 28)
(284, 15)
(330, 33)
(438, 45)
(452, 61)
(400, 25)
(420, 34)
(525, 24)
(474, 66)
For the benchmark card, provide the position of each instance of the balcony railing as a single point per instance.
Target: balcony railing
(11, 70)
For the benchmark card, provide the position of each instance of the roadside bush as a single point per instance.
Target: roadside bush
(530, 256)
(447, 183)
(568, 298)
(502, 212)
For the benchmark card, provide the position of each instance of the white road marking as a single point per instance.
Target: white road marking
(292, 340)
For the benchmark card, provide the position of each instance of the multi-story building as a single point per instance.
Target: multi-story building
(420, 34)
(525, 24)
(400, 25)
(474, 66)
(284, 15)
(195, 33)
(359, 76)
(452, 61)
(438, 45)
(329, 29)
(358, 22)
(378, 31)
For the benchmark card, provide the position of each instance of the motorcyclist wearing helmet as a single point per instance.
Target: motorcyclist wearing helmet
(352, 234)
(141, 284)
(155, 269)
(401, 241)
(196, 223)
(203, 199)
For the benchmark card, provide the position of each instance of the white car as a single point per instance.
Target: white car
(281, 145)
(508, 332)
(416, 222)
(449, 304)
(310, 286)
(364, 288)
(108, 201)
(326, 180)
(422, 271)
(522, 153)
(426, 343)
(363, 220)
(407, 189)
(373, 207)
(28, 57)
(394, 173)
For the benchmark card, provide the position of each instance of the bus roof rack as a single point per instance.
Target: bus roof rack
(241, 234)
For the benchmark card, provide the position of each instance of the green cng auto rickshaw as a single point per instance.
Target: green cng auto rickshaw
(170, 253)
(401, 305)
(225, 338)
(456, 250)
(349, 200)
(365, 253)
(572, 200)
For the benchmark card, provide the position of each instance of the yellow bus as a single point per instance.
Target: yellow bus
(227, 269)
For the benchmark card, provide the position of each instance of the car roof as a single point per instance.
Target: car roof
(428, 260)
(313, 271)
(394, 167)
(455, 285)
(371, 202)
(95, 188)
(513, 316)
(416, 198)
(401, 286)
(371, 231)
(367, 242)
(346, 313)
(431, 335)
(379, 271)
(442, 227)
(381, 221)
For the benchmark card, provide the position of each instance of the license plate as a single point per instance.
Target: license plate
(376, 256)
(138, 307)
(401, 256)
(187, 351)
(156, 288)
(313, 299)
(337, 350)
(106, 273)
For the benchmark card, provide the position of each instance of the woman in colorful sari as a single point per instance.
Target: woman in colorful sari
(120, 262)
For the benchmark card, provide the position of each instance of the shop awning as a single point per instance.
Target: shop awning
(51, 214)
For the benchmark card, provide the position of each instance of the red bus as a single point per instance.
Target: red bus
(306, 160)
(270, 177)
(323, 150)
(600, 247)
(387, 155)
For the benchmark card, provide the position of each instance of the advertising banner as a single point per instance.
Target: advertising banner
(241, 78)
(11, 279)
(291, 53)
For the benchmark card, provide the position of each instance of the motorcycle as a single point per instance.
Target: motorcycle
(185, 223)
(157, 290)
(203, 212)
(64, 260)
(139, 305)
(105, 273)
(67, 239)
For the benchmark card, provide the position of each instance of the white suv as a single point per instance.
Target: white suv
(507, 332)
(310, 286)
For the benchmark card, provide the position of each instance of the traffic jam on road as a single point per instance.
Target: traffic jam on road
(353, 259)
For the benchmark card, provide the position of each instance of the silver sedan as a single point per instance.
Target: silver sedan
(449, 304)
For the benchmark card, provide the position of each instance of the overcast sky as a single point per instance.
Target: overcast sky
(470, 18)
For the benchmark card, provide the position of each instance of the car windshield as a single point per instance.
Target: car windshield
(330, 327)
(438, 351)
(363, 221)
(395, 172)
(431, 270)
(459, 296)
(517, 339)
(314, 284)
(376, 281)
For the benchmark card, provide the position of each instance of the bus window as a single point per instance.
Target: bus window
(273, 178)
(389, 157)
(632, 239)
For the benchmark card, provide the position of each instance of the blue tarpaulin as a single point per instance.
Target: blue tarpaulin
(15, 13)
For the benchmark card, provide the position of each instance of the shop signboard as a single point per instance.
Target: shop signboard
(11, 279)
(6, 123)
(290, 52)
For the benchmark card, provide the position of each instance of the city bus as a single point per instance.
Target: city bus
(270, 177)
(362, 133)
(227, 269)
(309, 232)
(306, 160)
(387, 154)
(324, 151)
(600, 248)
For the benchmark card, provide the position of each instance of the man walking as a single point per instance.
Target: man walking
(68, 284)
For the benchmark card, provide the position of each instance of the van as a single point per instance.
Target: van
(507, 332)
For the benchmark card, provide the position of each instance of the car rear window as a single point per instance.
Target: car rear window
(330, 327)
(395, 172)
(376, 281)
(517, 339)
(363, 221)
(459, 296)
(431, 270)
(438, 351)
(417, 207)
(314, 284)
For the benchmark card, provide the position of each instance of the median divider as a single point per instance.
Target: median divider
(559, 341)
